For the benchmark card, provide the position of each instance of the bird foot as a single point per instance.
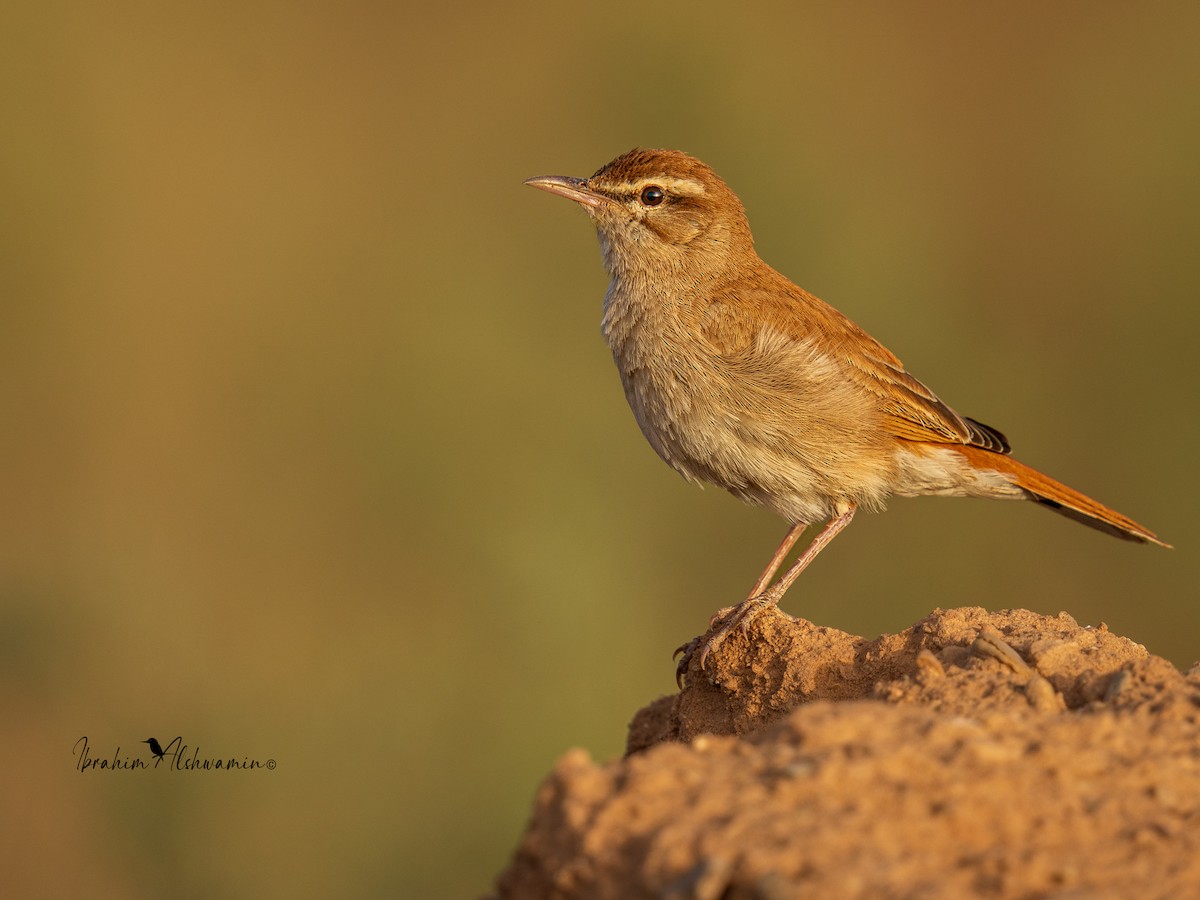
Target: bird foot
(719, 627)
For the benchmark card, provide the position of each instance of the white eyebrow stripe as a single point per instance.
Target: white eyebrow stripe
(680, 187)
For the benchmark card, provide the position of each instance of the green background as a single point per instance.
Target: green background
(312, 449)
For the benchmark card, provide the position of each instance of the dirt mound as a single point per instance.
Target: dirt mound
(974, 754)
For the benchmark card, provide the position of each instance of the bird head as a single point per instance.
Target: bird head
(658, 210)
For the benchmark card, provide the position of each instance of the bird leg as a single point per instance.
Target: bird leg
(744, 612)
(824, 536)
(781, 551)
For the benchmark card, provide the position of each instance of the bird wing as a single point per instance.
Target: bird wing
(911, 410)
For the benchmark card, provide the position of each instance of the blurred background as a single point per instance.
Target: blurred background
(313, 451)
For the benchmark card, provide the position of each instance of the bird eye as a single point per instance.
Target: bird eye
(652, 195)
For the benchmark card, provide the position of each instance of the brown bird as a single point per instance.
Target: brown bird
(741, 379)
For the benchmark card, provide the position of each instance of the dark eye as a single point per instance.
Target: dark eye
(652, 195)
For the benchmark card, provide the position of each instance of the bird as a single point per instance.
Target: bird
(740, 378)
(155, 747)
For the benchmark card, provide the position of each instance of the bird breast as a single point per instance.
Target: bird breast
(766, 416)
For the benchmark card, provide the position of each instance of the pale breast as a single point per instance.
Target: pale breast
(774, 421)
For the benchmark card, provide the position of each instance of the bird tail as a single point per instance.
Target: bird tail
(1060, 498)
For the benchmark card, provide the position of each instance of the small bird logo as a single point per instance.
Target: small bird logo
(155, 747)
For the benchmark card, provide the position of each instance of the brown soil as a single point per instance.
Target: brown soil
(933, 763)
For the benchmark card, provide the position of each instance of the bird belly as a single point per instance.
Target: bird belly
(799, 446)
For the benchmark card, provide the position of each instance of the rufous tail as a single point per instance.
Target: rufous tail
(1060, 498)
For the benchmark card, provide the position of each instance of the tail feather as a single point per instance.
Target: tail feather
(1060, 498)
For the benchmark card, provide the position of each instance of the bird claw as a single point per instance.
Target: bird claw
(721, 614)
(720, 625)
(681, 667)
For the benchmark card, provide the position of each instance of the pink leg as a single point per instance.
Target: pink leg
(827, 534)
(758, 599)
(785, 546)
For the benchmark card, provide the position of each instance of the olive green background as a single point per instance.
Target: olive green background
(312, 450)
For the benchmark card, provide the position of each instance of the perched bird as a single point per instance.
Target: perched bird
(155, 748)
(742, 379)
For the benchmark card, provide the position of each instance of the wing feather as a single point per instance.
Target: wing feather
(911, 410)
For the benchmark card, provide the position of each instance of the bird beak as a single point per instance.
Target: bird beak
(571, 188)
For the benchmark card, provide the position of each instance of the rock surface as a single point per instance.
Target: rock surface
(974, 754)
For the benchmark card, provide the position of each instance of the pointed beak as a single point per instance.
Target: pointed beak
(571, 188)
